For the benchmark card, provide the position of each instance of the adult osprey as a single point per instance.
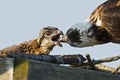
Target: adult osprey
(101, 27)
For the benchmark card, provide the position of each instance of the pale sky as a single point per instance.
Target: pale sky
(21, 20)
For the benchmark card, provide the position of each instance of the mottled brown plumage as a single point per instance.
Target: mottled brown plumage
(101, 27)
(43, 44)
(109, 15)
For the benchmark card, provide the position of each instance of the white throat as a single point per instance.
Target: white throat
(84, 32)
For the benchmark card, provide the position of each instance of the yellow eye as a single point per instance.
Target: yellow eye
(47, 33)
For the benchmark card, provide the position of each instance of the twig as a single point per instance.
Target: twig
(96, 64)
(117, 70)
(102, 67)
(108, 59)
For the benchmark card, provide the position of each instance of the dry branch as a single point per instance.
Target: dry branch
(96, 64)
(117, 70)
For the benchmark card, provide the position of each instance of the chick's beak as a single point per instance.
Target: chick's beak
(64, 39)
(60, 33)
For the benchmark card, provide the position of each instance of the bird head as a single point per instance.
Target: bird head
(49, 36)
(81, 35)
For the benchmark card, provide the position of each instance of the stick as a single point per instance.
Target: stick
(108, 59)
(96, 64)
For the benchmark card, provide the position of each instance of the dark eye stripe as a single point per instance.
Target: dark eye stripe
(73, 35)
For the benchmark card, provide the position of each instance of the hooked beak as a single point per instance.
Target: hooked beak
(64, 39)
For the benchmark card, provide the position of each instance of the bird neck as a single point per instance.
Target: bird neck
(32, 47)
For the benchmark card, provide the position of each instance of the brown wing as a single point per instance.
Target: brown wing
(111, 21)
(109, 14)
(110, 17)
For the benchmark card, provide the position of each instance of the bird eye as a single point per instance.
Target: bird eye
(47, 33)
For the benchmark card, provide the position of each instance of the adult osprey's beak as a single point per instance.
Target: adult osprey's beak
(64, 39)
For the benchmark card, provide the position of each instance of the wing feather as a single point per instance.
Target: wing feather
(109, 15)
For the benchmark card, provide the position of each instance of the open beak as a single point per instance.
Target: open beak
(57, 38)
(64, 39)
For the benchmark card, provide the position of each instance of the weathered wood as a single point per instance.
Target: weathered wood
(6, 69)
(48, 71)
(37, 70)
(20, 69)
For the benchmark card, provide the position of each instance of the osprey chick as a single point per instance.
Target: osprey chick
(43, 44)
(101, 27)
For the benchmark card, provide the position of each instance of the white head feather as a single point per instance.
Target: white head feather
(83, 29)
